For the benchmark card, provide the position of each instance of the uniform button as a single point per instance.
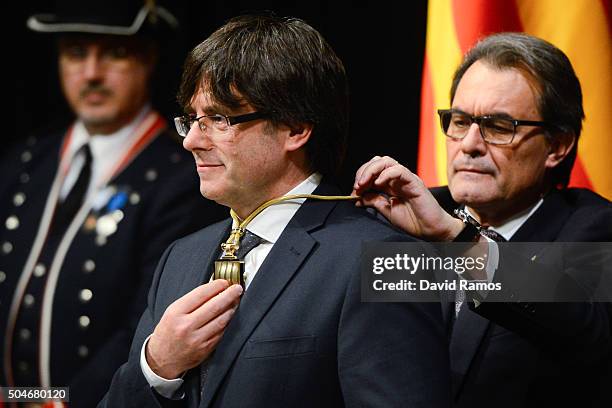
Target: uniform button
(24, 178)
(134, 198)
(175, 157)
(26, 156)
(88, 266)
(19, 199)
(100, 240)
(83, 351)
(106, 225)
(151, 175)
(39, 270)
(84, 322)
(85, 295)
(25, 334)
(2, 276)
(28, 300)
(31, 141)
(117, 216)
(7, 247)
(12, 222)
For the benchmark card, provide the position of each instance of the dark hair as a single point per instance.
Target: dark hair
(559, 92)
(281, 66)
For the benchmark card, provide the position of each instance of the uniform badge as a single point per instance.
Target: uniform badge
(107, 212)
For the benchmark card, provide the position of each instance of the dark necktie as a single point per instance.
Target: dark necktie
(67, 209)
(460, 294)
(247, 243)
(494, 235)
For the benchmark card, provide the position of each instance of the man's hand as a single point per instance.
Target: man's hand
(408, 205)
(191, 327)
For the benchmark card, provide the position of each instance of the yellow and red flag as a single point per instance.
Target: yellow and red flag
(580, 28)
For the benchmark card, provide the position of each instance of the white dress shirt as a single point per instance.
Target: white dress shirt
(509, 228)
(269, 225)
(104, 155)
(506, 230)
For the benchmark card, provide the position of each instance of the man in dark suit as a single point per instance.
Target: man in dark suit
(87, 211)
(511, 142)
(267, 104)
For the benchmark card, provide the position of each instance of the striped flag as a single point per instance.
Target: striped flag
(580, 28)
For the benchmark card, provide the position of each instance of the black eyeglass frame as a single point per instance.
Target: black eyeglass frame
(231, 120)
(479, 119)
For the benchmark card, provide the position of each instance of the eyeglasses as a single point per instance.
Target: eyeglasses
(219, 123)
(493, 128)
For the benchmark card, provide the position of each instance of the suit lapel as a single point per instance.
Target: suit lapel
(468, 332)
(288, 254)
(544, 224)
(201, 265)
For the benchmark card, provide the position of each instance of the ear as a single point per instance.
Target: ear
(559, 146)
(298, 136)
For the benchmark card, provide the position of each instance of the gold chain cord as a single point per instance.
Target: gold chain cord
(239, 231)
(229, 267)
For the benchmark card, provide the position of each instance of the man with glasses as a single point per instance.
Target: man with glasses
(511, 140)
(87, 211)
(265, 123)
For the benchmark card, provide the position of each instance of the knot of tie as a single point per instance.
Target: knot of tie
(247, 243)
(492, 234)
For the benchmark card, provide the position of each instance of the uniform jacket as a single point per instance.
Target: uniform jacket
(94, 303)
(301, 337)
(526, 354)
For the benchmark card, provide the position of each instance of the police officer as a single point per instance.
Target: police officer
(86, 212)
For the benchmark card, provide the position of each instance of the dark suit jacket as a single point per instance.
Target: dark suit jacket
(301, 337)
(165, 205)
(537, 354)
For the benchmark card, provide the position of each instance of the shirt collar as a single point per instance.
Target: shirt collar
(103, 146)
(509, 228)
(270, 223)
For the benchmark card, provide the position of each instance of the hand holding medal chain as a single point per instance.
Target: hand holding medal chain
(229, 267)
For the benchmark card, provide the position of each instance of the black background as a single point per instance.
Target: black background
(381, 45)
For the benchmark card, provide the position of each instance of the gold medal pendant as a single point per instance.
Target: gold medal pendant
(230, 270)
(229, 267)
